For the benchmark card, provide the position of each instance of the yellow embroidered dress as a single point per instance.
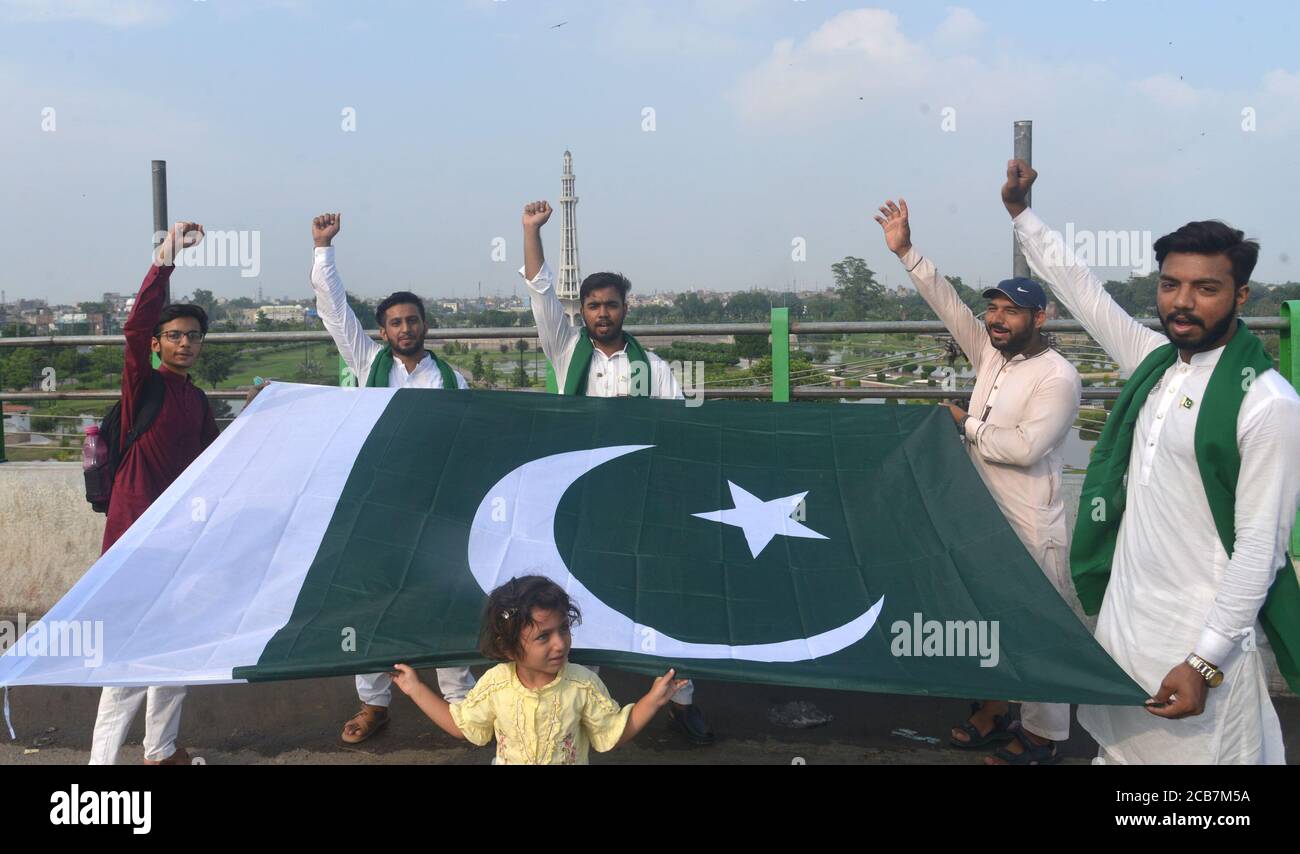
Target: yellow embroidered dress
(553, 725)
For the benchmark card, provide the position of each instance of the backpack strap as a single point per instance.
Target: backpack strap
(155, 387)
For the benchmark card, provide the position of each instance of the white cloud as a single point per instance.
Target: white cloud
(864, 55)
(1170, 91)
(1283, 83)
(960, 28)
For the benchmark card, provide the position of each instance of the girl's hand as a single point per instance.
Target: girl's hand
(405, 677)
(665, 687)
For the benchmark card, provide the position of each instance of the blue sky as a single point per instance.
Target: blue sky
(773, 120)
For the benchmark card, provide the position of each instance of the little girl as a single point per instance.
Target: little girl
(542, 709)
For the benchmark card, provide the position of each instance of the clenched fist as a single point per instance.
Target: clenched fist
(324, 227)
(1015, 192)
(536, 214)
(182, 236)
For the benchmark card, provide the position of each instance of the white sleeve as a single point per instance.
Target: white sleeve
(557, 334)
(357, 348)
(1080, 291)
(967, 330)
(662, 379)
(1049, 415)
(1268, 494)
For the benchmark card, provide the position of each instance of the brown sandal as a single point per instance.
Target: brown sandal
(368, 721)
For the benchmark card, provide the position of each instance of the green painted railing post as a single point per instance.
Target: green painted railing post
(346, 378)
(1289, 362)
(552, 385)
(781, 355)
(2, 433)
(1290, 349)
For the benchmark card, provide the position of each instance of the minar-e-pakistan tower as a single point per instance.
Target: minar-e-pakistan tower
(570, 278)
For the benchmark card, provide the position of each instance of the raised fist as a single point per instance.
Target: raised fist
(536, 214)
(1015, 192)
(182, 236)
(324, 227)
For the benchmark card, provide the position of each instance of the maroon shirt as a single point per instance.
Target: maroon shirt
(182, 429)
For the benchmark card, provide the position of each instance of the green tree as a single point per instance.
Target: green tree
(364, 311)
(752, 346)
(22, 368)
(68, 362)
(206, 301)
(749, 306)
(264, 323)
(106, 361)
(476, 367)
(855, 284)
(216, 363)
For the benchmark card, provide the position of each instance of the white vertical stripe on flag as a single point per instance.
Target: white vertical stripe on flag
(212, 570)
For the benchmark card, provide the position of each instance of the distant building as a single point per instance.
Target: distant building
(283, 313)
(18, 423)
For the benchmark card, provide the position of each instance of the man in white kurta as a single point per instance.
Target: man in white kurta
(1173, 591)
(1021, 410)
(359, 352)
(611, 374)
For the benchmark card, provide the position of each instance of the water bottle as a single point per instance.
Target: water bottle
(94, 468)
(93, 451)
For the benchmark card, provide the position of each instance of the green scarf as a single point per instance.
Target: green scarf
(1219, 461)
(384, 363)
(575, 382)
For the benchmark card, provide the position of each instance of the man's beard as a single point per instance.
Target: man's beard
(1015, 342)
(614, 335)
(1211, 336)
(411, 349)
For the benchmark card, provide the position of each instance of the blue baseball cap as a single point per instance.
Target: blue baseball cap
(1025, 293)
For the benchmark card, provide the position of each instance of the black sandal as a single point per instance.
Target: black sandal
(1001, 730)
(1034, 754)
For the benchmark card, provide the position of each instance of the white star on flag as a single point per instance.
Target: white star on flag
(762, 520)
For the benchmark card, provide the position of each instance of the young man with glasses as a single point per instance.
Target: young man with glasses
(181, 430)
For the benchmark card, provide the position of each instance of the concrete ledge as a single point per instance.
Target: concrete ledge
(50, 535)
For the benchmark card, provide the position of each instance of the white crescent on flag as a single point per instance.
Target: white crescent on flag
(513, 534)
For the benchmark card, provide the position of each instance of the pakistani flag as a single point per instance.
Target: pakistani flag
(331, 531)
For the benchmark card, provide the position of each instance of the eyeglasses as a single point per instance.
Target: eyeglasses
(174, 335)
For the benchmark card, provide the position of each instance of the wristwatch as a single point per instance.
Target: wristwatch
(961, 425)
(1212, 675)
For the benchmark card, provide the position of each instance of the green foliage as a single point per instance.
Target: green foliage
(699, 351)
(753, 346)
(364, 311)
(21, 367)
(215, 363)
(861, 296)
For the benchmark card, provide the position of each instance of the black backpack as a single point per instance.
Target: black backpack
(99, 479)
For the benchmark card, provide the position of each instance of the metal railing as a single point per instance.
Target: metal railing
(779, 329)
